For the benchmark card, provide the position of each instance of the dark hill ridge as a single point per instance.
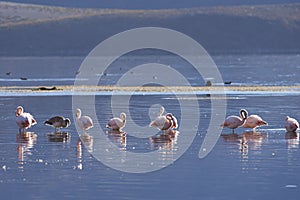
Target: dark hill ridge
(68, 31)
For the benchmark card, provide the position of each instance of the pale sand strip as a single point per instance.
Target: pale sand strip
(145, 89)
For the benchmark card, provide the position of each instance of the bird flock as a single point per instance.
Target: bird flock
(254, 121)
(25, 120)
(163, 122)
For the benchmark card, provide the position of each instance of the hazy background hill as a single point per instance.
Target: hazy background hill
(44, 30)
(150, 4)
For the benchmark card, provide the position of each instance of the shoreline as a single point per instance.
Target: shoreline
(146, 90)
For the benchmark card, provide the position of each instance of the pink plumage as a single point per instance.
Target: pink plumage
(254, 121)
(291, 124)
(117, 123)
(24, 120)
(234, 122)
(164, 122)
(83, 122)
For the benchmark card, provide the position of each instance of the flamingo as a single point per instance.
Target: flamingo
(164, 122)
(83, 122)
(117, 123)
(23, 119)
(58, 122)
(233, 121)
(291, 124)
(254, 121)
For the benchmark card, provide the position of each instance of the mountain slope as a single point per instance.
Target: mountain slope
(43, 30)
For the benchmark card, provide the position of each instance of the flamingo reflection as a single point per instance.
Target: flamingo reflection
(292, 139)
(87, 141)
(118, 137)
(166, 140)
(25, 143)
(247, 140)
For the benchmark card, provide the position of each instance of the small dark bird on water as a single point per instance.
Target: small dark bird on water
(58, 122)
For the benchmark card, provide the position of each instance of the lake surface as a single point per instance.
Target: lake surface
(260, 165)
(239, 69)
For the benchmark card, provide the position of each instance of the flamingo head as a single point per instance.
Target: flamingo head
(161, 110)
(78, 113)
(243, 114)
(19, 111)
(123, 116)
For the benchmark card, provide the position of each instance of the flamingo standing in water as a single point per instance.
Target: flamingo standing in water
(117, 123)
(83, 122)
(58, 122)
(291, 124)
(24, 120)
(164, 122)
(233, 121)
(254, 121)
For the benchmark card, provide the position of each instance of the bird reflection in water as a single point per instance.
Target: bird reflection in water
(86, 140)
(248, 140)
(118, 137)
(59, 137)
(164, 141)
(292, 139)
(25, 143)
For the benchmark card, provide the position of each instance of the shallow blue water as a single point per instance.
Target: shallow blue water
(260, 165)
(244, 165)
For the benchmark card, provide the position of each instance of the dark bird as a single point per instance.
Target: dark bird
(58, 122)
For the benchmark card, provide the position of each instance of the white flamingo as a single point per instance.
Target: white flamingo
(58, 122)
(164, 122)
(83, 122)
(24, 120)
(117, 123)
(233, 121)
(291, 124)
(254, 121)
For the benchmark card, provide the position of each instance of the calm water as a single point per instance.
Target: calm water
(239, 69)
(245, 165)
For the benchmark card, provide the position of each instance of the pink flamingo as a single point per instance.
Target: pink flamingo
(254, 121)
(83, 122)
(164, 122)
(233, 121)
(117, 123)
(24, 120)
(291, 124)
